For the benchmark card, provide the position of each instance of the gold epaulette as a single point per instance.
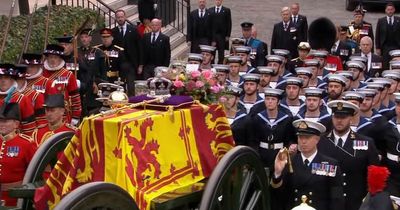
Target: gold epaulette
(97, 46)
(71, 126)
(119, 48)
(26, 137)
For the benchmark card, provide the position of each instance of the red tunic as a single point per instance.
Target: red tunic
(335, 60)
(42, 134)
(64, 82)
(15, 156)
(28, 122)
(40, 84)
(37, 100)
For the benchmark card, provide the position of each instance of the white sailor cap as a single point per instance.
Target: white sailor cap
(375, 85)
(347, 74)
(238, 41)
(353, 95)
(342, 107)
(251, 77)
(207, 48)
(355, 64)
(221, 68)
(381, 80)
(312, 62)
(233, 90)
(394, 53)
(337, 78)
(234, 59)
(319, 53)
(313, 92)
(294, 81)
(265, 70)
(396, 97)
(395, 64)
(275, 58)
(304, 46)
(368, 92)
(195, 57)
(359, 58)
(308, 127)
(242, 49)
(273, 92)
(304, 71)
(159, 70)
(391, 74)
(282, 52)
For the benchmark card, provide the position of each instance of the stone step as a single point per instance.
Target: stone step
(180, 52)
(115, 4)
(130, 10)
(177, 39)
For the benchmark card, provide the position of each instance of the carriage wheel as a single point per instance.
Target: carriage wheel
(238, 182)
(97, 196)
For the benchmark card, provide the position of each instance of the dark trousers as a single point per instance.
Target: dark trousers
(222, 45)
(194, 48)
(148, 71)
(385, 55)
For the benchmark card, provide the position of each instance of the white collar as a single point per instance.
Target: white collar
(344, 137)
(366, 55)
(311, 158)
(293, 16)
(123, 26)
(47, 67)
(35, 75)
(337, 43)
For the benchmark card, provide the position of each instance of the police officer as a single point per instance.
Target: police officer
(55, 109)
(17, 151)
(115, 61)
(353, 151)
(309, 173)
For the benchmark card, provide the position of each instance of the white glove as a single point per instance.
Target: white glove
(155, 6)
(75, 122)
(78, 82)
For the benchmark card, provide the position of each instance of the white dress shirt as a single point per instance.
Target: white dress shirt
(369, 56)
(344, 137)
(310, 159)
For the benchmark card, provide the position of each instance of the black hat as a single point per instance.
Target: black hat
(341, 107)
(54, 49)
(246, 25)
(322, 34)
(308, 127)
(8, 69)
(87, 31)
(106, 32)
(10, 111)
(54, 100)
(21, 70)
(32, 58)
(359, 10)
(64, 39)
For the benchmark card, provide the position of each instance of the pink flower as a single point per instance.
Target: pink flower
(207, 74)
(178, 84)
(195, 74)
(191, 85)
(216, 89)
(199, 84)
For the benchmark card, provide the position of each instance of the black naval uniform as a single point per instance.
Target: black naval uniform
(393, 150)
(323, 188)
(354, 158)
(115, 61)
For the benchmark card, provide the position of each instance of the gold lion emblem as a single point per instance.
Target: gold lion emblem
(339, 105)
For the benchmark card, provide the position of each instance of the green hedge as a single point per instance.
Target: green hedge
(63, 20)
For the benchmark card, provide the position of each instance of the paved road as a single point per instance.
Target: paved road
(265, 13)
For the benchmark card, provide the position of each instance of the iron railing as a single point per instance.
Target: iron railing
(172, 12)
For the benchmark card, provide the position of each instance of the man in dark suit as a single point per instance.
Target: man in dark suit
(387, 34)
(198, 30)
(221, 27)
(285, 34)
(155, 50)
(313, 174)
(126, 36)
(374, 62)
(147, 9)
(353, 151)
(300, 21)
(340, 48)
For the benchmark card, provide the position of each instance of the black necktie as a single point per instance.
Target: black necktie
(340, 142)
(217, 9)
(306, 162)
(202, 13)
(285, 26)
(154, 38)
(294, 19)
(391, 21)
(121, 30)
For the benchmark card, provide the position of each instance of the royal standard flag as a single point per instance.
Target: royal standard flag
(146, 152)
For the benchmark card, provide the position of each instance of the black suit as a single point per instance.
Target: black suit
(146, 9)
(221, 27)
(198, 30)
(375, 69)
(154, 54)
(323, 192)
(343, 51)
(130, 42)
(288, 39)
(302, 26)
(354, 164)
(387, 38)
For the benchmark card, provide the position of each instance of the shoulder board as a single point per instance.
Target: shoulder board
(26, 137)
(71, 126)
(97, 46)
(118, 47)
